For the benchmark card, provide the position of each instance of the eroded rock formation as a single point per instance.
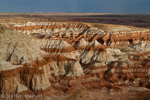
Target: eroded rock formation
(47, 58)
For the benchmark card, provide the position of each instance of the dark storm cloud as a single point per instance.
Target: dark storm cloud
(76, 6)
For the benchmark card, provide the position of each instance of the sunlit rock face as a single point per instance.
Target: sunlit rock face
(40, 58)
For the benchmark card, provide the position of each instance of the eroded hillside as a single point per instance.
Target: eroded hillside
(61, 60)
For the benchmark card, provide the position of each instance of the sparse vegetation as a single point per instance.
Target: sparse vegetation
(4, 28)
(137, 20)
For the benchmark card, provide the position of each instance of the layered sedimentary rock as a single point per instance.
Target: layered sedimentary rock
(54, 57)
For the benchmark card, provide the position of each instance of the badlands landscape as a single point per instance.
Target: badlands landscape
(66, 59)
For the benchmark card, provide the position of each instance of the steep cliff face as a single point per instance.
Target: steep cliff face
(58, 58)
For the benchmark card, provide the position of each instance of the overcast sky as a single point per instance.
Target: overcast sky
(76, 6)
